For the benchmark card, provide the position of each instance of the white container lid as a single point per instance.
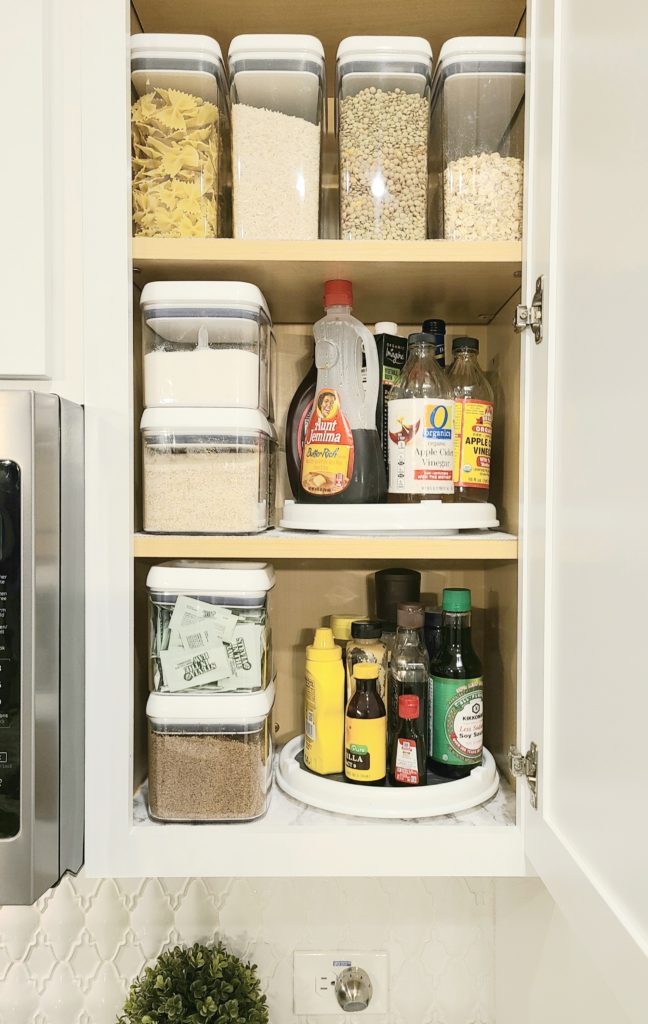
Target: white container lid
(384, 48)
(269, 46)
(211, 709)
(386, 327)
(175, 46)
(203, 295)
(201, 418)
(201, 577)
(482, 49)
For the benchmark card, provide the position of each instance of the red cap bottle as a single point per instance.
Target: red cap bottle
(338, 293)
(408, 705)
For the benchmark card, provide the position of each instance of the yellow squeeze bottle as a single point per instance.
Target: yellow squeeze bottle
(324, 710)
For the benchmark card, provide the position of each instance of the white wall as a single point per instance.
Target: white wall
(70, 958)
(542, 972)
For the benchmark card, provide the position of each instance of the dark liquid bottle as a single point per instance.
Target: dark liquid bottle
(299, 412)
(437, 329)
(365, 730)
(457, 693)
(408, 756)
(367, 483)
(409, 669)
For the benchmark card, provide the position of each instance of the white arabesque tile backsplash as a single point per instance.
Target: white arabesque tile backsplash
(70, 958)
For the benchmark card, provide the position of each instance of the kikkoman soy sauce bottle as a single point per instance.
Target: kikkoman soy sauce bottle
(365, 730)
(457, 710)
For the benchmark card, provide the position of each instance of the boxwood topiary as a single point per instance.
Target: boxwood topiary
(196, 985)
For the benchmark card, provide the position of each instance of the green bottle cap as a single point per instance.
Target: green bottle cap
(456, 599)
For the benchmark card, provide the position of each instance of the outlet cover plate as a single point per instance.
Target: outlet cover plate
(315, 972)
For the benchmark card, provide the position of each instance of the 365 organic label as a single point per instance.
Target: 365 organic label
(458, 720)
(327, 458)
(473, 436)
(421, 446)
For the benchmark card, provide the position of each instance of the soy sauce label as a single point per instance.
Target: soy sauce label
(421, 446)
(327, 459)
(458, 720)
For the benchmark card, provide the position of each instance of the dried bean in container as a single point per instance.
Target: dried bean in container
(383, 165)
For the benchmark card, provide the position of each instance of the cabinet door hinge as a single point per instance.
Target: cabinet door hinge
(526, 765)
(531, 316)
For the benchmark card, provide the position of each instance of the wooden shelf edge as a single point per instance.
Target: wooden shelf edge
(276, 544)
(228, 250)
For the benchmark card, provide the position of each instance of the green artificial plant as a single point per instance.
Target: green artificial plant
(196, 985)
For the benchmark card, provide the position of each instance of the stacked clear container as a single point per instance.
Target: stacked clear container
(477, 140)
(180, 136)
(208, 444)
(211, 677)
(278, 97)
(382, 119)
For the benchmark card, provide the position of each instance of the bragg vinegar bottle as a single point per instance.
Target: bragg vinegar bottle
(473, 422)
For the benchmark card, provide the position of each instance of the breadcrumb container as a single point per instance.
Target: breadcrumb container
(477, 140)
(382, 118)
(180, 136)
(209, 627)
(210, 758)
(207, 343)
(278, 100)
(207, 470)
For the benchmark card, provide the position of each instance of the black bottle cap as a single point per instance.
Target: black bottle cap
(369, 630)
(434, 326)
(433, 616)
(470, 343)
(394, 587)
(420, 338)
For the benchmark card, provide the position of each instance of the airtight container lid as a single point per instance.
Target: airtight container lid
(238, 579)
(268, 47)
(279, 72)
(201, 299)
(483, 54)
(384, 49)
(217, 709)
(189, 63)
(206, 420)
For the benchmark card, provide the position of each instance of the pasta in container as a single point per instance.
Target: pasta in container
(180, 137)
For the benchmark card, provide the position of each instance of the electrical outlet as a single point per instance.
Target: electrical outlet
(315, 974)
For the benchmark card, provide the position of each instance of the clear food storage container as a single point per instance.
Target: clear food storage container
(207, 470)
(477, 140)
(278, 97)
(180, 136)
(382, 117)
(210, 758)
(209, 627)
(206, 343)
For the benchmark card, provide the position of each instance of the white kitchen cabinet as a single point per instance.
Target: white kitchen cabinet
(559, 611)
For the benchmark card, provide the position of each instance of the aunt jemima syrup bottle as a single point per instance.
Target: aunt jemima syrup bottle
(342, 459)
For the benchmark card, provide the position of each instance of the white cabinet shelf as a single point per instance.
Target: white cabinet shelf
(293, 840)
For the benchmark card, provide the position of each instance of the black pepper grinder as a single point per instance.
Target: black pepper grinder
(394, 587)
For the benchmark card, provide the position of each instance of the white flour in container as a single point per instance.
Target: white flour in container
(221, 377)
(205, 491)
(276, 169)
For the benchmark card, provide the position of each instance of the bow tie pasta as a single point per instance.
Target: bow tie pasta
(176, 143)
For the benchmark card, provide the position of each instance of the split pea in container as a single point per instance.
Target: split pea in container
(210, 758)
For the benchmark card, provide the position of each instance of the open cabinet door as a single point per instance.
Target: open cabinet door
(584, 637)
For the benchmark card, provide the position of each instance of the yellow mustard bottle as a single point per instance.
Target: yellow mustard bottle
(365, 729)
(324, 705)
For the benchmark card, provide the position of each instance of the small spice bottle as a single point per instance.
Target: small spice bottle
(408, 756)
(367, 646)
